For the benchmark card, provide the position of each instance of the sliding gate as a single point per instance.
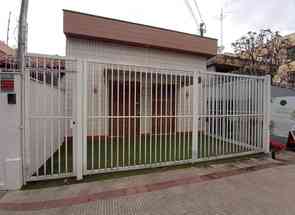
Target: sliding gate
(87, 117)
(143, 117)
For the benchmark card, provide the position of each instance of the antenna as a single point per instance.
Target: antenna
(221, 47)
(202, 24)
(8, 28)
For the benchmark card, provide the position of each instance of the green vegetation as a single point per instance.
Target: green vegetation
(118, 152)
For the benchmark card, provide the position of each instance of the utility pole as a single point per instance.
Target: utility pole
(221, 47)
(22, 34)
(21, 51)
(8, 28)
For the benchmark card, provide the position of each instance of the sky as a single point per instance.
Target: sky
(45, 20)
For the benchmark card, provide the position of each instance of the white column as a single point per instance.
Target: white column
(78, 120)
(266, 112)
(84, 99)
(195, 116)
(11, 156)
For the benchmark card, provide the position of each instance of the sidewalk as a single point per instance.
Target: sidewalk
(225, 188)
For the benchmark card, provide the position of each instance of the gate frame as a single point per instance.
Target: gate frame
(80, 119)
(82, 158)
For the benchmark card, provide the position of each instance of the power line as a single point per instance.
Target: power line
(201, 25)
(199, 11)
(8, 28)
(191, 12)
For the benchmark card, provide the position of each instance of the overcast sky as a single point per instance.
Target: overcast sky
(46, 21)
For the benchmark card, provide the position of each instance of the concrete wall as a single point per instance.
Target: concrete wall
(10, 134)
(282, 116)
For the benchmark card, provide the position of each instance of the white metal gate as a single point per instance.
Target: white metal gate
(87, 117)
(50, 115)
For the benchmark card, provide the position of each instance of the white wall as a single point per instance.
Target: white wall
(123, 54)
(283, 117)
(10, 134)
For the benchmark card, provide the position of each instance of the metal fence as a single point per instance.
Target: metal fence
(87, 117)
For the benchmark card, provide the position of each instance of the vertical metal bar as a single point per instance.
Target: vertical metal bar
(124, 114)
(228, 113)
(237, 114)
(112, 116)
(85, 71)
(233, 115)
(129, 117)
(213, 115)
(245, 117)
(84, 116)
(99, 104)
(37, 111)
(165, 116)
(217, 121)
(106, 114)
(240, 96)
(249, 113)
(262, 112)
(190, 114)
(223, 112)
(59, 115)
(215, 125)
(183, 115)
(260, 101)
(90, 72)
(140, 116)
(155, 116)
(51, 113)
(65, 121)
(210, 116)
(161, 114)
(201, 104)
(135, 119)
(220, 113)
(175, 115)
(45, 121)
(145, 118)
(118, 113)
(258, 115)
(170, 117)
(179, 117)
(253, 112)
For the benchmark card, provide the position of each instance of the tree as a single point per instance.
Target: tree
(261, 52)
(246, 48)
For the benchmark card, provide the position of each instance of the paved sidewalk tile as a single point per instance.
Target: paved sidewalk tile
(254, 186)
(254, 193)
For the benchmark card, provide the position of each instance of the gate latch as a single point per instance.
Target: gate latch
(73, 123)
